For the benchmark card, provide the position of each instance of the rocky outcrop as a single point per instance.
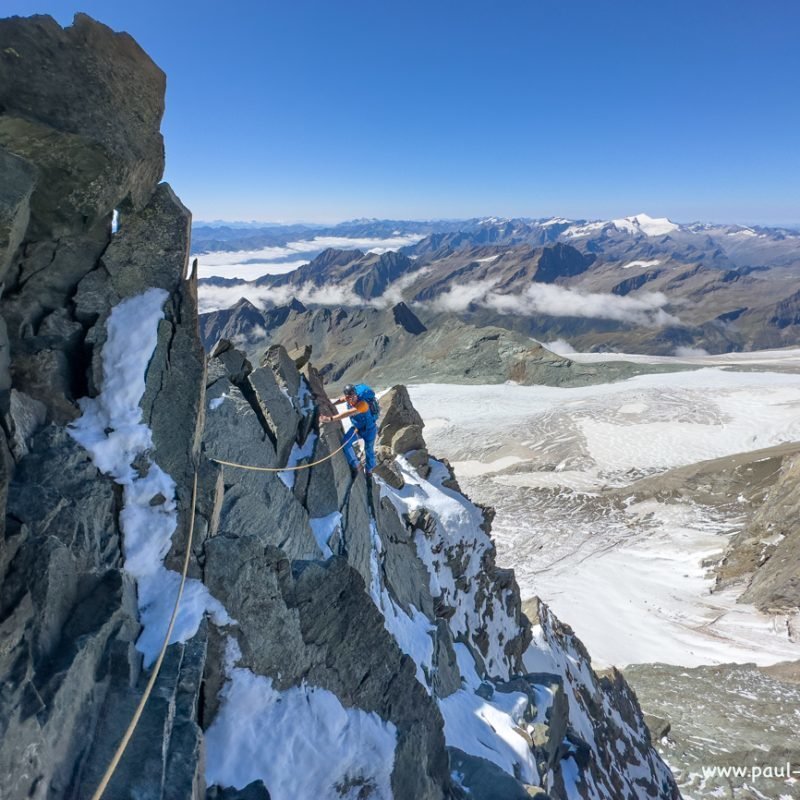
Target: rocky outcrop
(237, 323)
(336, 637)
(773, 533)
(399, 433)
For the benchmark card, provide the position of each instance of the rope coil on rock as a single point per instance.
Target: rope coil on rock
(109, 773)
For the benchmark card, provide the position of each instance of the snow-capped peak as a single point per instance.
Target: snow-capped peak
(642, 223)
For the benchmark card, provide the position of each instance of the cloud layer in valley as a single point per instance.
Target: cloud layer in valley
(214, 298)
(645, 309)
(252, 264)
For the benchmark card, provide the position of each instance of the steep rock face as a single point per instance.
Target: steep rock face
(774, 531)
(79, 138)
(82, 108)
(600, 720)
(322, 615)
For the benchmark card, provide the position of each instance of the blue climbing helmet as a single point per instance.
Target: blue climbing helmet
(366, 393)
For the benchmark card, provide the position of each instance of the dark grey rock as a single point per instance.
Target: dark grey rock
(175, 380)
(164, 757)
(265, 508)
(407, 319)
(6, 471)
(5, 357)
(254, 503)
(46, 376)
(408, 438)
(58, 328)
(57, 492)
(249, 574)
(94, 296)
(317, 388)
(328, 482)
(25, 417)
(658, 726)
(103, 95)
(400, 432)
(356, 533)
(447, 677)
(398, 411)
(232, 431)
(151, 246)
(45, 274)
(485, 780)
(284, 368)
(420, 460)
(226, 361)
(388, 472)
(278, 411)
(19, 180)
(184, 775)
(52, 693)
(253, 791)
(405, 575)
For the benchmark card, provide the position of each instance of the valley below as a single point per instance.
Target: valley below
(620, 505)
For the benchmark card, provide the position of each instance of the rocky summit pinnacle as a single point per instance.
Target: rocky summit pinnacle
(337, 638)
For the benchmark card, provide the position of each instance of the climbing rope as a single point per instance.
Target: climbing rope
(347, 440)
(154, 674)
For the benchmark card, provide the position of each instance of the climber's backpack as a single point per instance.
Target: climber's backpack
(364, 392)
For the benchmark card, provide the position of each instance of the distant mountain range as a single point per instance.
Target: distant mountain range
(738, 242)
(635, 284)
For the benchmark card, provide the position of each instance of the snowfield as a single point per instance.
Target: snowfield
(627, 576)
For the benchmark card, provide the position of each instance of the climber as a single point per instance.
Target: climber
(363, 411)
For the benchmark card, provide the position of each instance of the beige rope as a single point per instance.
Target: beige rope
(150, 683)
(281, 469)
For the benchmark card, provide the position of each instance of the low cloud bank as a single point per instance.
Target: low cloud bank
(214, 298)
(560, 347)
(646, 309)
(691, 352)
(557, 301)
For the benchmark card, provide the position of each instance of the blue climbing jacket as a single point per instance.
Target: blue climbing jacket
(366, 422)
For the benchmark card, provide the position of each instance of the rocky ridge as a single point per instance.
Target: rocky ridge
(368, 621)
(393, 345)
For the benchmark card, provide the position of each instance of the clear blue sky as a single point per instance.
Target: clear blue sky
(332, 109)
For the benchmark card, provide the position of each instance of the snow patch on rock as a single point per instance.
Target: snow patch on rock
(111, 429)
